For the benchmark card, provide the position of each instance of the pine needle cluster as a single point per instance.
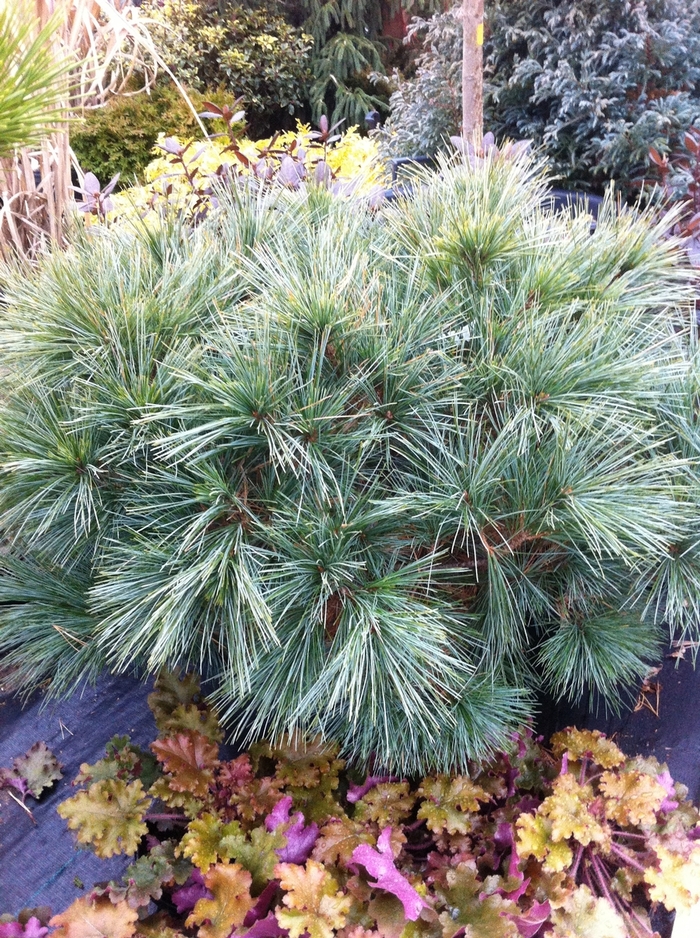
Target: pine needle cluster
(377, 474)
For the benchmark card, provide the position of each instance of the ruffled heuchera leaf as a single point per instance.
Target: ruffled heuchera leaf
(299, 838)
(587, 743)
(583, 915)
(303, 763)
(202, 840)
(109, 816)
(229, 885)
(479, 916)
(98, 919)
(189, 759)
(338, 839)
(314, 903)
(190, 805)
(145, 879)
(187, 896)
(386, 804)
(379, 864)
(171, 691)
(256, 798)
(632, 798)
(30, 928)
(122, 760)
(259, 852)
(569, 810)
(36, 770)
(449, 802)
(535, 839)
(676, 882)
(195, 718)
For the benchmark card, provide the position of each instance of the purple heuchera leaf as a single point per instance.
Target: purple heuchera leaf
(279, 814)
(267, 927)
(379, 863)
(262, 906)
(532, 921)
(355, 792)
(33, 929)
(670, 803)
(187, 896)
(300, 838)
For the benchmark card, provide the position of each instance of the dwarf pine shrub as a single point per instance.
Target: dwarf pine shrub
(378, 475)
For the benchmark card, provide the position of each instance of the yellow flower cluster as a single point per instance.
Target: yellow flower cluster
(352, 158)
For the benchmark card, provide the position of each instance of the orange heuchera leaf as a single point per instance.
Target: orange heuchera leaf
(337, 840)
(190, 759)
(256, 798)
(99, 919)
(632, 797)
(449, 802)
(590, 743)
(314, 903)
(109, 815)
(230, 885)
(676, 883)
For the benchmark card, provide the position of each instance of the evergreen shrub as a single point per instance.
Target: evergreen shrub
(377, 474)
(254, 54)
(596, 82)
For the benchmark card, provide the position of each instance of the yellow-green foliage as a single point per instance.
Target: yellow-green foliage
(119, 138)
(353, 157)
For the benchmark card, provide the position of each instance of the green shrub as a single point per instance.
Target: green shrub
(597, 83)
(375, 474)
(253, 54)
(119, 138)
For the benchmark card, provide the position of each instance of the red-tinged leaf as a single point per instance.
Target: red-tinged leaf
(692, 143)
(190, 759)
(338, 840)
(229, 884)
(213, 110)
(38, 768)
(657, 158)
(100, 919)
(379, 864)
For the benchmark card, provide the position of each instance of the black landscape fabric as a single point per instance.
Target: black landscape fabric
(39, 865)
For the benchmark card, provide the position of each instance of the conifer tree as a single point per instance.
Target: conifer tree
(377, 474)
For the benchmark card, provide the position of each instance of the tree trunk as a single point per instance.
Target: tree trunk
(472, 70)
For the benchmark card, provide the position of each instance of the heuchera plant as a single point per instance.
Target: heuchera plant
(281, 841)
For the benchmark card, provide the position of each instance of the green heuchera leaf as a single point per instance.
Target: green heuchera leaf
(583, 915)
(482, 918)
(109, 816)
(449, 802)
